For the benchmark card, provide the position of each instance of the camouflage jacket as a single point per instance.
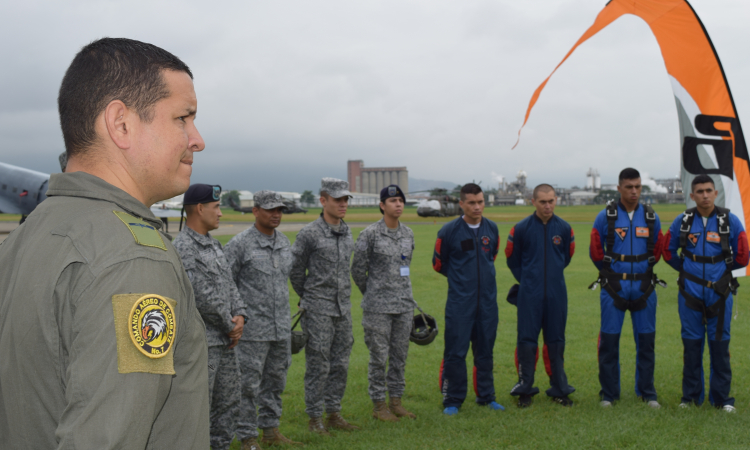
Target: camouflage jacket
(320, 272)
(216, 294)
(260, 267)
(376, 269)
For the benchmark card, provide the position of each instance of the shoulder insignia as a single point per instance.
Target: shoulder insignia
(143, 233)
(145, 327)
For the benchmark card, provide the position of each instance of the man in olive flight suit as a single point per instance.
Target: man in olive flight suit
(320, 276)
(102, 345)
(381, 271)
(260, 259)
(219, 304)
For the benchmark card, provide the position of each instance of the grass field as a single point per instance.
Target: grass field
(630, 424)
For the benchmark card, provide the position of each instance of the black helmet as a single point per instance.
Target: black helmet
(424, 328)
(299, 338)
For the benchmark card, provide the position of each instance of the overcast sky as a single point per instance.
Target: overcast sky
(288, 91)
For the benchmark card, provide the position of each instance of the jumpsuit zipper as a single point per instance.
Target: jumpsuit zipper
(705, 233)
(479, 280)
(545, 261)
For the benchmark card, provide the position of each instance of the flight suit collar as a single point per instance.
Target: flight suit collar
(622, 207)
(327, 231)
(540, 220)
(85, 185)
(263, 239)
(383, 229)
(204, 240)
(466, 224)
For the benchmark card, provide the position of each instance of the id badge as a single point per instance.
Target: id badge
(404, 271)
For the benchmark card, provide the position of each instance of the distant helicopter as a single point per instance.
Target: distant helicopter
(442, 205)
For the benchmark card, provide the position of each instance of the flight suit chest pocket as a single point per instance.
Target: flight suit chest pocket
(208, 259)
(382, 248)
(261, 261)
(406, 247)
(328, 251)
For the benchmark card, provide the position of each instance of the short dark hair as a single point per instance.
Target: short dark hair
(628, 174)
(700, 179)
(544, 187)
(111, 69)
(470, 188)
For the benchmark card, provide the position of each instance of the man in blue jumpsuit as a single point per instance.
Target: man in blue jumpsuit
(624, 249)
(465, 252)
(712, 247)
(538, 250)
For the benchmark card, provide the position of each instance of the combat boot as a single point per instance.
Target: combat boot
(316, 426)
(251, 444)
(381, 412)
(335, 421)
(272, 436)
(398, 410)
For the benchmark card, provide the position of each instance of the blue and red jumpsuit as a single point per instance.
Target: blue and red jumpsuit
(631, 236)
(537, 253)
(703, 240)
(467, 257)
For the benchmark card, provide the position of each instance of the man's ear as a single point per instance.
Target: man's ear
(199, 209)
(118, 121)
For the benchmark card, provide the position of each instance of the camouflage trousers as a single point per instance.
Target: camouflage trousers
(223, 394)
(329, 344)
(264, 365)
(387, 338)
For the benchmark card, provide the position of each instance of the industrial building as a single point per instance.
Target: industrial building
(370, 180)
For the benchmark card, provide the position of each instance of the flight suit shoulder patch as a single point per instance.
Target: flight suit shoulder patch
(145, 328)
(143, 233)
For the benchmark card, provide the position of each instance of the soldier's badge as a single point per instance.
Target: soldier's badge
(145, 331)
(641, 232)
(557, 240)
(622, 232)
(693, 238)
(485, 240)
(713, 236)
(152, 325)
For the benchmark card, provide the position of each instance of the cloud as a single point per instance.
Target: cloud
(288, 91)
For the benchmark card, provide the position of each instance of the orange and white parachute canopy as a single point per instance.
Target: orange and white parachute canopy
(710, 131)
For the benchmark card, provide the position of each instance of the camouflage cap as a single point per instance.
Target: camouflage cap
(268, 200)
(335, 188)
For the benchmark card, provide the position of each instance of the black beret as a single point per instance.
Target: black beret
(391, 191)
(202, 193)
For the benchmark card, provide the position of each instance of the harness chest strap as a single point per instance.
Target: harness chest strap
(610, 279)
(726, 284)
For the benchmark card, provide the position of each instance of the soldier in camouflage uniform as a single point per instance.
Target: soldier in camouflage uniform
(381, 271)
(320, 276)
(260, 259)
(219, 304)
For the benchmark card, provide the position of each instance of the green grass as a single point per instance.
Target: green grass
(630, 424)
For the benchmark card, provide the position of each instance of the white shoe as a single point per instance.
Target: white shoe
(654, 404)
(684, 405)
(729, 408)
(605, 404)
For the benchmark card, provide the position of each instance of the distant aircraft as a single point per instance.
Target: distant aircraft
(21, 190)
(291, 207)
(439, 206)
(247, 209)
